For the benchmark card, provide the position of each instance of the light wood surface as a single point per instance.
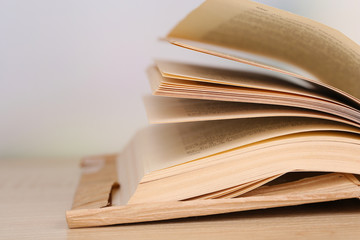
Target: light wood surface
(34, 196)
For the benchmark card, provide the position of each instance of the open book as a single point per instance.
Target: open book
(235, 139)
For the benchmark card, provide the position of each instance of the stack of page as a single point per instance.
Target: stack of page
(226, 139)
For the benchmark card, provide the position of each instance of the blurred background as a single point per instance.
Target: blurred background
(72, 73)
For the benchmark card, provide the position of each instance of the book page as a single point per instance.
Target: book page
(267, 80)
(237, 190)
(175, 110)
(170, 87)
(329, 183)
(256, 28)
(308, 151)
(235, 77)
(163, 146)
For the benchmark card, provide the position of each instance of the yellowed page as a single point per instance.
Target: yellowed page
(201, 90)
(237, 190)
(258, 146)
(163, 146)
(266, 80)
(328, 183)
(256, 28)
(175, 110)
(130, 169)
(234, 77)
(328, 152)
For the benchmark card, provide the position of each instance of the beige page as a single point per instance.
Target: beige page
(252, 27)
(158, 148)
(268, 80)
(163, 146)
(311, 152)
(199, 90)
(175, 110)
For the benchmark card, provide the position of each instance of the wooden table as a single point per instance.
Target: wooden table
(35, 194)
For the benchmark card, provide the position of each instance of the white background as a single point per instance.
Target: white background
(72, 73)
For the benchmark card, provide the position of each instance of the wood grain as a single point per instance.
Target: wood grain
(34, 195)
(93, 208)
(97, 180)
